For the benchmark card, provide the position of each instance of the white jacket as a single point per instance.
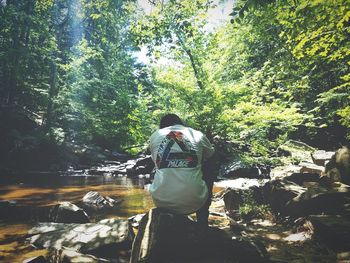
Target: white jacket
(178, 152)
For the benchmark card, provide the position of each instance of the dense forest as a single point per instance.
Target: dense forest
(70, 76)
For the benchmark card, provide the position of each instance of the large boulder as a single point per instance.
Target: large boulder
(67, 212)
(164, 237)
(291, 199)
(319, 200)
(308, 179)
(338, 168)
(333, 230)
(277, 193)
(102, 239)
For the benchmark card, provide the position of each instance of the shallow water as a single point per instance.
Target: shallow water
(72, 188)
(43, 191)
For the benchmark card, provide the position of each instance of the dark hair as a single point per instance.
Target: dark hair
(169, 120)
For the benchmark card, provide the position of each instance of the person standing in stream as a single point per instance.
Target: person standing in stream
(178, 153)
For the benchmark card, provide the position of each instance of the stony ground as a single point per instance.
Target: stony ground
(286, 240)
(284, 244)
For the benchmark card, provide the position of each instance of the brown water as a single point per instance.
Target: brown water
(49, 191)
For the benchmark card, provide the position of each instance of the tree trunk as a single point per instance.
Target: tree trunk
(52, 92)
(193, 62)
(20, 35)
(58, 28)
(195, 70)
(13, 65)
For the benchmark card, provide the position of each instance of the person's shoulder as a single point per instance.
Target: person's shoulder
(196, 133)
(154, 134)
(159, 132)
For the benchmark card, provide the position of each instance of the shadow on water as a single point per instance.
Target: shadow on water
(41, 191)
(37, 192)
(44, 191)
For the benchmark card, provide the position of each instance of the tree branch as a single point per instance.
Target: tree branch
(193, 63)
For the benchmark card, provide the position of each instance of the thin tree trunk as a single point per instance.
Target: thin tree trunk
(195, 70)
(58, 28)
(18, 36)
(52, 92)
(12, 83)
(193, 62)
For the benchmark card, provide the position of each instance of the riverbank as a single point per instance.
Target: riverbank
(14, 248)
(268, 214)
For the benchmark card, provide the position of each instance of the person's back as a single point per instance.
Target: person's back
(177, 152)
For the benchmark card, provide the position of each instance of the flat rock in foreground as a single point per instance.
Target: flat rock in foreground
(103, 238)
(164, 237)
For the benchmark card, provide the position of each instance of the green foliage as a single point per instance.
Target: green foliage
(246, 97)
(280, 69)
(24, 79)
(261, 78)
(250, 209)
(317, 32)
(70, 63)
(178, 28)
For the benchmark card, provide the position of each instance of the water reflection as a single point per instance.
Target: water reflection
(43, 191)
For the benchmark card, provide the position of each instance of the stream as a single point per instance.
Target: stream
(40, 191)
